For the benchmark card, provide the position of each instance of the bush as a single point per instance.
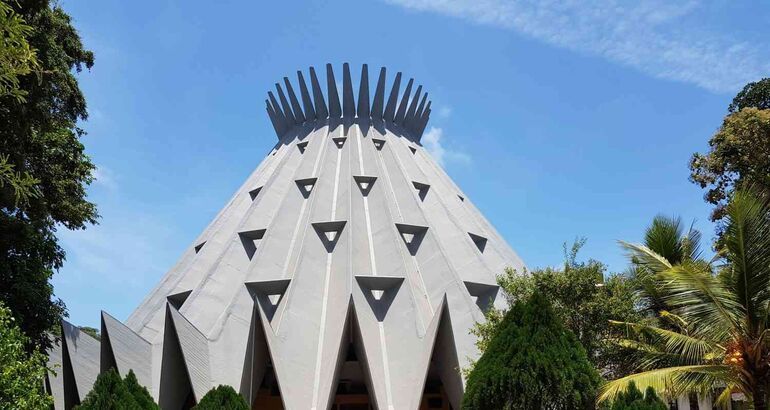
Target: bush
(632, 399)
(113, 393)
(222, 398)
(21, 374)
(532, 362)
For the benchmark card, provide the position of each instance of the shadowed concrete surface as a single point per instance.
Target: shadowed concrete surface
(345, 273)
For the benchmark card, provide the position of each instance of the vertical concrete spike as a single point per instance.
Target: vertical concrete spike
(379, 96)
(285, 105)
(412, 107)
(417, 120)
(404, 100)
(307, 103)
(390, 109)
(424, 123)
(277, 125)
(298, 114)
(335, 111)
(363, 93)
(318, 97)
(277, 108)
(348, 104)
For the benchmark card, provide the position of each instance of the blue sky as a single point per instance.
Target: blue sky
(558, 119)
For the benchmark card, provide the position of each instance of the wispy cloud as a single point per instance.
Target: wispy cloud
(103, 176)
(658, 37)
(431, 140)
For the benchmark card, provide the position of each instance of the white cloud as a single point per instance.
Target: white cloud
(103, 176)
(431, 140)
(658, 37)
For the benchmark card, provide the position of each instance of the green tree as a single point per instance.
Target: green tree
(222, 397)
(738, 157)
(21, 374)
(532, 362)
(139, 392)
(584, 299)
(109, 392)
(753, 95)
(40, 144)
(17, 57)
(718, 315)
(633, 399)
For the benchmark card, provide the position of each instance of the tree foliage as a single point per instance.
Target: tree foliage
(753, 95)
(112, 392)
(44, 167)
(714, 335)
(222, 397)
(532, 362)
(738, 157)
(17, 57)
(21, 373)
(633, 399)
(583, 300)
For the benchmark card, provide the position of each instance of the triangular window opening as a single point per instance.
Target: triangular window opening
(378, 143)
(250, 241)
(254, 192)
(413, 149)
(364, 183)
(380, 292)
(339, 141)
(461, 198)
(306, 186)
(177, 299)
(412, 236)
(329, 233)
(422, 189)
(480, 241)
(302, 146)
(199, 246)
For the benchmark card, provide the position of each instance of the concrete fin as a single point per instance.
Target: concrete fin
(339, 141)
(484, 295)
(299, 116)
(399, 118)
(364, 183)
(83, 353)
(351, 360)
(422, 189)
(348, 102)
(177, 299)
(176, 388)
(480, 241)
(199, 246)
(254, 192)
(444, 363)
(378, 143)
(412, 107)
(258, 362)
(250, 240)
(379, 291)
(307, 103)
(363, 93)
(69, 384)
(318, 97)
(302, 146)
(306, 186)
(285, 106)
(129, 351)
(416, 120)
(390, 109)
(268, 293)
(412, 236)
(379, 96)
(55, 378)
(335, 111)
(194, 346)
(329, 233)
(274, 120)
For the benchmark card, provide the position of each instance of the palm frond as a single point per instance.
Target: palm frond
(684, 348)
(671, 381)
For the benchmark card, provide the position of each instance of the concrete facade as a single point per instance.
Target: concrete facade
(346, 272)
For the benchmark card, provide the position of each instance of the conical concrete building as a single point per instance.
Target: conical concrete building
(345, 273)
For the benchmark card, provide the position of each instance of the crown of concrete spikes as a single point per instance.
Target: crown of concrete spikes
(409, 114)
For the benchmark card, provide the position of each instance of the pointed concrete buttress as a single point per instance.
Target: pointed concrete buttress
(347, 269)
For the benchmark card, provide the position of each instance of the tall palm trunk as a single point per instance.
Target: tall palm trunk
(760, 395)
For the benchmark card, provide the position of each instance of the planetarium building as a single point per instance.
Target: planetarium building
(345, 273)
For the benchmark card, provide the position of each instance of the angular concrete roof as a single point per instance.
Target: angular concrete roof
(348, 262)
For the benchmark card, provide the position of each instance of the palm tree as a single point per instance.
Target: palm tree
(716, 335)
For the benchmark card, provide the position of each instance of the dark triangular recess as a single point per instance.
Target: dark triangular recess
(176, 389)
(422, 189)
(254, 192)
(480, 241)
(378, 143)
(413, 149)
(352, 377)
(107, 356)
(462, 198)
(364, 183)
(250, 240)
(268, 293)
(339, 141)
(306, 186)
(412, 236)
(177, 299)
(443, 384)
(199, 246)
(302, 146)
(71, 396)
(379, 291)
(329, 233)
(483, 294)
